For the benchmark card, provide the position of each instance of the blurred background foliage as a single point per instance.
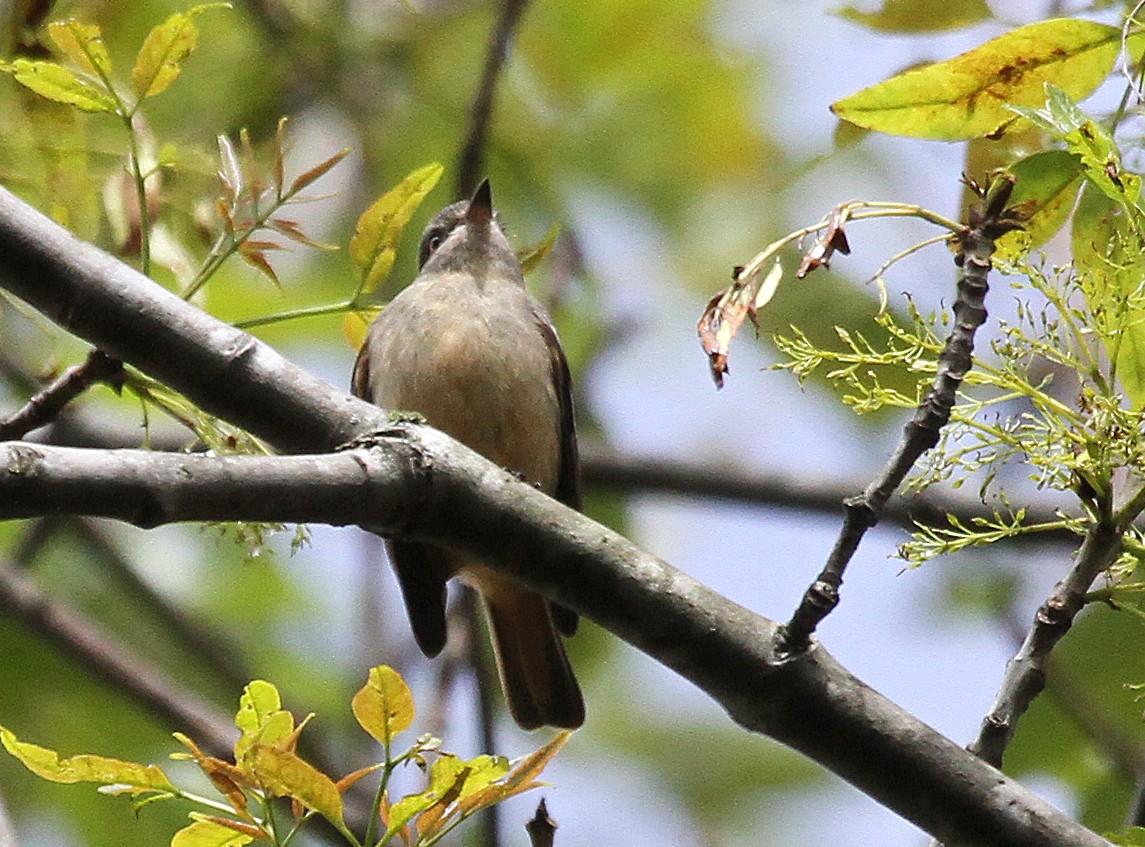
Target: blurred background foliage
(670, 141)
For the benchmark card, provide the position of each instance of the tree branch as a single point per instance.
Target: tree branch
(45, 405)
(75, 636)
(418, 483)
(481, 113)
(1025, 676)
(975, 248)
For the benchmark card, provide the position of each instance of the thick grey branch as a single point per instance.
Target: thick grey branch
(427, 487)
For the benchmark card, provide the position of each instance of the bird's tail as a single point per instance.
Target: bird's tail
(535, 672)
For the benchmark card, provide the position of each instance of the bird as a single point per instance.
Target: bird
(469, 349)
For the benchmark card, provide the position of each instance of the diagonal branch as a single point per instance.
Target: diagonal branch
(418, 482)
(861, 512)
(470, 161)
(75, 636)
(1025, 676)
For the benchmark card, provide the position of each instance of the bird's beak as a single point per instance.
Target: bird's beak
(480, 209)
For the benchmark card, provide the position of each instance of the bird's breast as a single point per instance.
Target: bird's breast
(473, 362)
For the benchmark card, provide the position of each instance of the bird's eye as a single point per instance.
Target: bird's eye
(434, 243)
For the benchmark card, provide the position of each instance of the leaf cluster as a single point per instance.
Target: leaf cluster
(266, 766)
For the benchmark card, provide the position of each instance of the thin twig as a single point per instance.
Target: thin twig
(542, 829)
(1025, 675)
(471, 159)
(486, 684)
(47, 404)
(863, 511)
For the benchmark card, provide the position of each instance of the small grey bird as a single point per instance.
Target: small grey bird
(466, 346)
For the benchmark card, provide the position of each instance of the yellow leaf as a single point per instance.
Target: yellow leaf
(55, 82)
(83, 44)
(356, 324)
(259, 700)
(967, 96)
(384, 705)
(286, 774)
(47, 764)
(525, 771)
(1046, 191)
(168, 44)
(261, 718)
(375, 242)
(209, 833)
(447, 780)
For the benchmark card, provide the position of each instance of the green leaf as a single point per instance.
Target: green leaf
(157, 64)
(1109, 254)
(1089, 141)
(57, 83)
(384, 705)
(406, 809)
(919, 15)
(533, 256)
(261, 718)
(208, 833)
(46, 764)
(1046, 190)
(259, 700)
(286, 774)
(968, 96)
(375, 243)
(83, 44)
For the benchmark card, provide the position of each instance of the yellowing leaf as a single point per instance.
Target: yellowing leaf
(258, 701)
(1046, 190)
(47, 764)
(83, 44)
(168, 44)
(261, 718)
(406, 809)
(526, 770)
(209, 833)
(55, 82)
(384, 705)
(319, 170)
(356, 324)
(375, 242)
(967, 96)
(286, 774)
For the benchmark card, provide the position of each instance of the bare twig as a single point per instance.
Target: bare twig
(863, 511)
(486, 676)
(47, 404)
(1025, 676)
(601, 469)
(542, 829)
(470, 161)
